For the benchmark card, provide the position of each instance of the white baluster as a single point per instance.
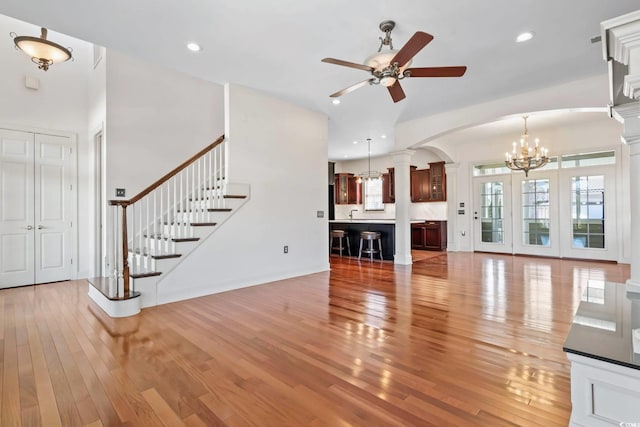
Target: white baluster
(175, 200)
(155, 221)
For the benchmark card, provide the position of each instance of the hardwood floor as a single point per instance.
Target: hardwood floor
(456, 339)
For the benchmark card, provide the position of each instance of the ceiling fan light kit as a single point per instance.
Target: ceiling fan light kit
(388, 67)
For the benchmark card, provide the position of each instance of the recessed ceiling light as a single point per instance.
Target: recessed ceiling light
(336, 102)
(523, 37)
(355, 142)
(193, 47)
(383, 136)
(346, 155)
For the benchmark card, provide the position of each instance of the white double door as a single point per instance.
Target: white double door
(36, 207)
(566, 213)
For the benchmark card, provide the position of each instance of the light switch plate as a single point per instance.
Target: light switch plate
(320, 214)
(120, 192)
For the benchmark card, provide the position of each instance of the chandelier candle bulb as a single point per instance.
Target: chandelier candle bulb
(529, 157)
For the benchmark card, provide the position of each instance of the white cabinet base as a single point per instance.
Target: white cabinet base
(603, 394)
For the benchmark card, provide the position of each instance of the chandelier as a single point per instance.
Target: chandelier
(369, 174)
(526, 157)
(42, 51)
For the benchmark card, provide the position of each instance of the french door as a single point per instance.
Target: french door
(492, 214)
(588, 196)
(535, 214)
(559, 213)
(36, 205)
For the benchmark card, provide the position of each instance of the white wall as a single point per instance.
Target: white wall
(598, 133)
(156, 118)
(280, 149)
(591, 92)
(97, 115)
(59, 105)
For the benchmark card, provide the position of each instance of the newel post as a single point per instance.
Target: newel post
(125, 246)
(125, 253)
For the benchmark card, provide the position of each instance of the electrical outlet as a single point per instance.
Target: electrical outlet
(286, 249)
(120, 192)
(320, 214)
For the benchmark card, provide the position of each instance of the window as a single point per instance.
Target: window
(373, 195)
(492, 212)
(587, 211)
(500, 168)
(589, 159)
(492, 169)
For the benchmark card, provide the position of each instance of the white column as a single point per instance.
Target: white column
(621, 44)
(631, 136)
(402, 178)
(452, 206)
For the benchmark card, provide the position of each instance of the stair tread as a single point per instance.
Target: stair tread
(104, 284)
(174, 239)
(224, 196)
(142, 274)
(155, 256)
(201, 210)
(194, 224)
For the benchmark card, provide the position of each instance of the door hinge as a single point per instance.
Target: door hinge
(70, 187)
(70, 223)
(71, 261)
(70, 150)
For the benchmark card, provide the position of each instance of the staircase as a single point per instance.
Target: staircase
(154, 231)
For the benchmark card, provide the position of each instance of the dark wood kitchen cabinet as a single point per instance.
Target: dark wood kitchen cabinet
(420, 185)
(429, 185)
(437, 182)
(347, 190)
(429, 235)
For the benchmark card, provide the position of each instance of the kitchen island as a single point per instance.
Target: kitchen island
(386, 227)
(603, 346)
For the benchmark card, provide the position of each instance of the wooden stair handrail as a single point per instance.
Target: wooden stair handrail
(124, 203)
(168, 176)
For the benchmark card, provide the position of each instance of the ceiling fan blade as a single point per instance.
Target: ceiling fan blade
(396, 92)
(436, 71)
(347, 64)
(415, 44)
(351, 88)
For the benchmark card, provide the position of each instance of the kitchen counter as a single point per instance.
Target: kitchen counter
(373, 221)
(602, 327)
(603, 346)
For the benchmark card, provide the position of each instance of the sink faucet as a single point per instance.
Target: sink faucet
(351, 213)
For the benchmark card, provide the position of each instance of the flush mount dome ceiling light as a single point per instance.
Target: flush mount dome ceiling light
(42, 51)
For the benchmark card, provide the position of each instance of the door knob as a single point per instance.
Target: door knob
(29, 227)
(40, 227)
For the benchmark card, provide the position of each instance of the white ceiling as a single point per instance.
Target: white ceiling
(277, 47)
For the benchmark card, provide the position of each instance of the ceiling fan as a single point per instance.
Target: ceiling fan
(390, 66)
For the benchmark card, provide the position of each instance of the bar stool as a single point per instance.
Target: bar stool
(370, 237)
(339, 234)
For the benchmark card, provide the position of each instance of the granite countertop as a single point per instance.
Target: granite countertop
(605, 324)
